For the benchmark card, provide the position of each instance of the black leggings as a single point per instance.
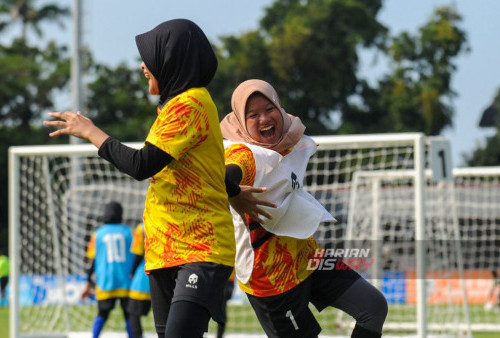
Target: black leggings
(135, 325)
(186, 320)
(367, 305)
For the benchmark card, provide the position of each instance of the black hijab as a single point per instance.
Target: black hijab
(179, 56)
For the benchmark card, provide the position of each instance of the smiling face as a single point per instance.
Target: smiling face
(263, 120)
(154, 89)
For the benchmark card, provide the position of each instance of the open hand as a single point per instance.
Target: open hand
(246, 203)
(75, 124)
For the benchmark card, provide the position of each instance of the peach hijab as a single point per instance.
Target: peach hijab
(233, 126)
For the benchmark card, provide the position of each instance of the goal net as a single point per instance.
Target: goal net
(388, 200)
(375, 185)
(477, 192)
(57, 196)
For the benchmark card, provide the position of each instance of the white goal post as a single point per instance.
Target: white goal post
(56, 194)
(386, 198)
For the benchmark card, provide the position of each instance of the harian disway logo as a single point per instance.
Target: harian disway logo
(192, 280)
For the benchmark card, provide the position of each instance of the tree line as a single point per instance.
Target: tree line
(309, 50)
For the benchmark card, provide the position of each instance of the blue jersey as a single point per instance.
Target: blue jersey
(139, 289)
(109, 247)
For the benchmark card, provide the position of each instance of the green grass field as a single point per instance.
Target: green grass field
(4, 322)
(245, 322)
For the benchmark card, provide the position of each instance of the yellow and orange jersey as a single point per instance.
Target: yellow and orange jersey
(186, 215)
(139, 287)
(281, 262)
(137, 247)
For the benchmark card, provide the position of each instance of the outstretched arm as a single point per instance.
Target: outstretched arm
(138, 163)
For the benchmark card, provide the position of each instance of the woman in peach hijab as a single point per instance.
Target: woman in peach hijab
(277, 260)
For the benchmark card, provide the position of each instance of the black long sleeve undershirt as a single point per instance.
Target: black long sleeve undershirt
(147, 161)
(138, 163)
(137, 261)
(90, 272)
(234, 175)
(233, 179)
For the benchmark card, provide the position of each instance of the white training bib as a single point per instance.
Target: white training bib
(298, 213)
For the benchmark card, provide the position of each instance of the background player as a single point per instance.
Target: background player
(111, 261)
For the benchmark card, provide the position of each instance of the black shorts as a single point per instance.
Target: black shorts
(202, 283)
(228, 290)
(138, 307)
(288, 314)
(106, 305)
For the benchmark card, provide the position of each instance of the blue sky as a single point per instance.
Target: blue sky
(111, 25)
(477, 79)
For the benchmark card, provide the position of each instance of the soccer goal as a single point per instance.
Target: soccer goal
(394, 195)
(372, 182)
(477, 192)
(470, 204)
(56, 197)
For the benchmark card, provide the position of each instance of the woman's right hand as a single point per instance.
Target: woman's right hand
(77, 125)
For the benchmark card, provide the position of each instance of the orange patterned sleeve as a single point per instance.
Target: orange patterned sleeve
(137, 247)
(242, 156)
(91, 248)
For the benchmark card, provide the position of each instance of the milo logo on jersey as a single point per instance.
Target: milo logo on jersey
(340, 259)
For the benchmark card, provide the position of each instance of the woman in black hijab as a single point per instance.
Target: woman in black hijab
(178, 55)
(189, 234)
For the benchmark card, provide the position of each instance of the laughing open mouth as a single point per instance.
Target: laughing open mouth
(268, 132)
